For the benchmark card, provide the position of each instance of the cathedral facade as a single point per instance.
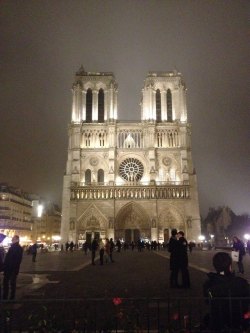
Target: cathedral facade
(129, 180)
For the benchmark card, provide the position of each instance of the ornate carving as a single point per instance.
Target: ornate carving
(94, 161)
(166, 161)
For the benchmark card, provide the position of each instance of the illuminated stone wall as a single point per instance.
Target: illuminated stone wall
(129, 179)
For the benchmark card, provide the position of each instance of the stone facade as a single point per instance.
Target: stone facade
(129, 180)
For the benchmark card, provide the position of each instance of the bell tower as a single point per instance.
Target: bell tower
(129, 180)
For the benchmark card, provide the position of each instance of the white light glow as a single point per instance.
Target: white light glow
(56, 238)
(39, 210)
(201, 238)
(247, 236)
(6, 241)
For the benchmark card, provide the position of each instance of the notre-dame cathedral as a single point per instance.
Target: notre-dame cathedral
(124, 179)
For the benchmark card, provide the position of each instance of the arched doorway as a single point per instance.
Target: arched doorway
(132, 223)
(91, 224)
(170, 219)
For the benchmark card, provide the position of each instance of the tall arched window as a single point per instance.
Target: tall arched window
(89, 106)
(101, 106)
(158, 105)
(87, 177)
(169, 106)
(100, 176)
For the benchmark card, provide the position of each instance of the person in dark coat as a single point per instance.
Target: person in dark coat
(11, 268)
(94, 247)
(183, 259)
(2, 255)
(239, 246)
(112, 246)
(33, 251)
(174, 262)
(228, 296)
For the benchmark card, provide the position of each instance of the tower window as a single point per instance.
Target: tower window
(158, 105)
(89, 98)
(100, 176)
(101, 106)
(87, 177)
(169, 106)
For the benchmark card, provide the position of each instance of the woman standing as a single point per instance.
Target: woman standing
(238, 246)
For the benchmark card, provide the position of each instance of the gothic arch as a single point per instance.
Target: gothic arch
(92, 219)
(170, 218)
(132, 216)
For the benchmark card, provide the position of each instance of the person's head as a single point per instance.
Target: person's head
(173, 232)
(222, 262)
(180, 234)
(15, 239)
(235, 239)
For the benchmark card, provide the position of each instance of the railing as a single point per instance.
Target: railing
(130, 192)
(119, 315)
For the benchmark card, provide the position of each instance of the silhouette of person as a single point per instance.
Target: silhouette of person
(228, 296)
(12, 263)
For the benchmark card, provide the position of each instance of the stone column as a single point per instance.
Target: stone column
(164, 105)
(95, 105)
(73, 114)
(111, 102)
(83, 113)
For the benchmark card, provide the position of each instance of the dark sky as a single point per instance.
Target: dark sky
(43, 43)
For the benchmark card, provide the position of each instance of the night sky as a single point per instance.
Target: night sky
(43, 43)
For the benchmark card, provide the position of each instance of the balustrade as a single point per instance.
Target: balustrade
(130, 192)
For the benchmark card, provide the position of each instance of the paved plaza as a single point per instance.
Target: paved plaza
(133, 274)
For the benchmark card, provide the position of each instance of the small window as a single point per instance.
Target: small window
(169, 106)
(101, 106)
(100, 176)
(158, 105)
(89, 98)
(87, 177)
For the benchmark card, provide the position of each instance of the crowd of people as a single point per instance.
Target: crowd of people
(227, 293)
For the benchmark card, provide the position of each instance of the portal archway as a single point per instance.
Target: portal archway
(170, 219)
(132, 223)
(91, 224)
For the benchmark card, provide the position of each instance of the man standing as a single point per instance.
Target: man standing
(34, 252)
(183, 259)
(12, 263)
(174, 262)
(94, 246)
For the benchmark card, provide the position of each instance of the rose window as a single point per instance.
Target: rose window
(131, 169)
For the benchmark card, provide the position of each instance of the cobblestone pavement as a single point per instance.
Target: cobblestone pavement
(133, 274)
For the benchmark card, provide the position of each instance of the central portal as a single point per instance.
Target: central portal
(132, 223)
(132, 235)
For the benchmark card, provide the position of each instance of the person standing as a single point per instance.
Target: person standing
(173, 263)
(107, 250)
(183, 259)
(94, 246)
(101, 250)
(112, 246)
(228, 297)
(11, 268)
(34, 252)
(238, 246)
(2, 254)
